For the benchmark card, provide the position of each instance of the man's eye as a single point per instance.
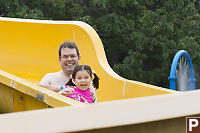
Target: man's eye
(72, 56)
(68, 56)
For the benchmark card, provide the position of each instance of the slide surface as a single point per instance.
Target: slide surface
(29, 50)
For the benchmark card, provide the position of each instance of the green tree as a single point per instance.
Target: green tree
(114, 21)
(162, 32)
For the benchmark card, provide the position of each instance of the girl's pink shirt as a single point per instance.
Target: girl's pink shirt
(78, 94)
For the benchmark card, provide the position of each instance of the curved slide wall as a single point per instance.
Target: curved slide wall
(29, 50)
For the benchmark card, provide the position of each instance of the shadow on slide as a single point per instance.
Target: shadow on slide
(29, 50)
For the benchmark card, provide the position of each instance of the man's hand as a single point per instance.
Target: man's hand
(66, 92)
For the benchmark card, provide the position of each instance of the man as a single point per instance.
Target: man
(69, 58)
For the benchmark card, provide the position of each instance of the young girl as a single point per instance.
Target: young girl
(80, 84)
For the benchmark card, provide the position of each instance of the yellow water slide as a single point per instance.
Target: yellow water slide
(29, 50)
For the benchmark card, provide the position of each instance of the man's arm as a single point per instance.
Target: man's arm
(46, 82)
(53, 88)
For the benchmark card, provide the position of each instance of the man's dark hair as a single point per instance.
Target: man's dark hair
(68, 45)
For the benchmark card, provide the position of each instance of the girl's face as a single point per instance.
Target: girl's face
(82, 80)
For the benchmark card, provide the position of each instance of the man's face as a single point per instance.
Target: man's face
(69, 59)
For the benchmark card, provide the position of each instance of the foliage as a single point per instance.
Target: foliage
(162, 32)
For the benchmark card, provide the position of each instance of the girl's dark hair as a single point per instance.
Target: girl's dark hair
(70, 83)
(89, 70)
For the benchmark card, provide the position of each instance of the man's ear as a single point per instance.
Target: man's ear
(59, 58)
(79, 59)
